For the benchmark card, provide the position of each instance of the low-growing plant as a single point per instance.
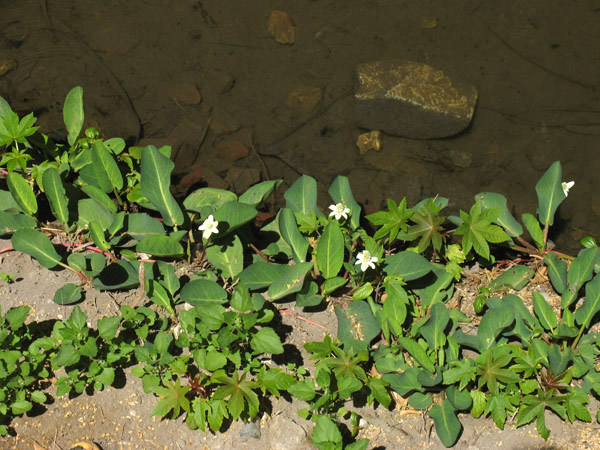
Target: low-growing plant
(105, 211)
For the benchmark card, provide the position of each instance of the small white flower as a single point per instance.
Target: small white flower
(566, 186)
(338, 211)
(365, 260)
(209, 227)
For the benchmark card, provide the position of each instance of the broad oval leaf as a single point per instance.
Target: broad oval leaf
(591, 304)
(97, 234)
(228, 258)
(408, 265)
(119, 275)
(434, 331)
(259, 192)
(67, 294)
(302, 196)
(330, 250)
(292, 236)
(491, 325)
(10, 223)
(108, 175)
(165, 246)
(514, 278)
(505, 219)
(36, 244)
(266, 341)
(290, 282)
(557, 271)
(212, 197)
(460, 399)
(100, 196)
(544, 312)
(262, 274)
(550, 193)
(22, 193)
(202, 292)
(73, 115)
(447, 425)
(159, 295)
(155, 183)
(233, 215)
(140, 225)
(90, 210)
(55, 191)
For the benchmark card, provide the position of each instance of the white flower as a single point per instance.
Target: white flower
(365, 260)
(338, 211)
(209, 227)
(567, 186)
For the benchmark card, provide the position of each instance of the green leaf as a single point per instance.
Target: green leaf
(434, 331)
(172, 397)
(262, 274)
(515, 278)
(340, 192)
(292, 236)
(330, 250)
(428, 225)
(550, 193)
(198, 292)
(308, 296)
(477, 229)
(55, 191)
(119, 275)
(304, 390)
(163, 246)
(108, 175)
(557, 271)
(22, 193)
(99, 196)
(491, 200)
(391, 221)
(290, 282)
(227, 257)
(447, 425)
(420, 401)
(140, 225)
(98, 236)
(460, 400)
(544, 312)
(211, 197)
(559, 359)
(302, 196)
(332, 284)
(417, 352)
(534, 229)
(492, 323)
(394, 308)
(491, 369)
(20, 407)
(159, 295)
(36, 244)
(155, 183)
(73, 115)
(462, 371)
(232, 216)
(326, 434)
(16, 317)
(591, 305)
(266, 341)
(9, 223)
(68, 294)
(108, 327)
(408, 265)
(90, 210)
(259, 192)
(581, 271)
(240, 392)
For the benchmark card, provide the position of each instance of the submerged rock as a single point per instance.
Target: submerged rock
(410, 99)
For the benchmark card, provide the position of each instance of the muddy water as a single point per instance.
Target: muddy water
(159, 71)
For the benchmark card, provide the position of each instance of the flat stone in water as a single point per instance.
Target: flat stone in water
(405, 98)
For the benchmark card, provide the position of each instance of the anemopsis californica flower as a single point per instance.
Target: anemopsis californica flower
(209, 227)
(339, 210)
(566, 186)
(366, 260)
